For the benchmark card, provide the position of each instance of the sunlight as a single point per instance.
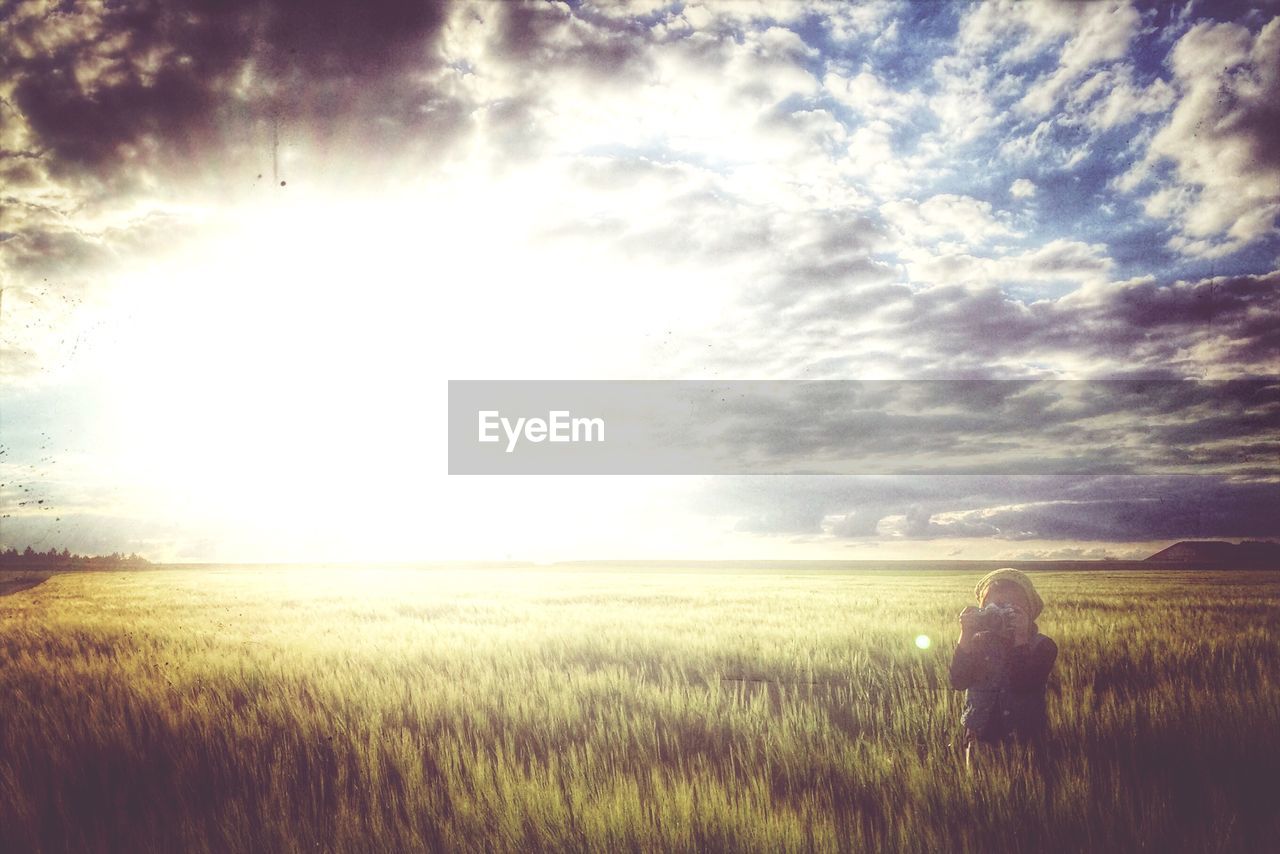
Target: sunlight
(291, 367)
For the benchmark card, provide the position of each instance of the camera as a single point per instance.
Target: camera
(997, 619)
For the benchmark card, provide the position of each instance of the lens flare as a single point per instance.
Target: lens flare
(922, 641)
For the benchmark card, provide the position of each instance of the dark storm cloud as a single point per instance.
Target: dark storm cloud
(123, 122)
(545, 36)
(972, 426)
(972, 321)
(50, 251)
(1195, 509)
(1155, 322)
(1214, 301)
(1223, 326)
(520, 57)
(110, 92)
(1114, 509)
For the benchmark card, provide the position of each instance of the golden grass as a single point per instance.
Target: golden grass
(506, 710)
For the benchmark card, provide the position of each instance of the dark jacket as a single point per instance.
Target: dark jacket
(1005, 685)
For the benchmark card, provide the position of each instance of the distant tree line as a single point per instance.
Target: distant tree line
(29, 558)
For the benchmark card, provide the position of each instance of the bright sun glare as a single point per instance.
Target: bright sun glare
(287, 374)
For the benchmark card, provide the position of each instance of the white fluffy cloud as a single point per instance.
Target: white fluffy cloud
(1022, 189)
(1111, 98)
(1224, 190)
(1059, 261)
(946, 216)
(1100, 32)
(868, 94)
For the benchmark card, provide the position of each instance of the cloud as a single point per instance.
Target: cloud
(1078, 553)
(1112, 98)
(1012, 29)
(868, 94)
(1091, 509)
(990, 78)
(703, 89)
(945, 215)
(1231, 320)
(964, 100)
(40, 248)
(1100, 32)
(124, 126)
(1130, 426)
(1183, 511)
(542, 37)
(684, 216)
(825, 180)
(1213, 328)
(1022, 189)
(1224, 190)
(844, 21)
(143, 92)
(1210, 328)
(1045, 82)
(1057, 261)
(1082, 129)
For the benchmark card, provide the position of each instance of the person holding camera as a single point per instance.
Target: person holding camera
(1002, 662)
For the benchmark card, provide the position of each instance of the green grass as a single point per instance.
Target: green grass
(337, 710)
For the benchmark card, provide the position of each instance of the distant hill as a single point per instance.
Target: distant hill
(1248, 553)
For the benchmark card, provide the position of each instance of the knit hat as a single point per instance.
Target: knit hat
(1013, 576)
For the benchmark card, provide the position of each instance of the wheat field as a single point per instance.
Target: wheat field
(353, 710)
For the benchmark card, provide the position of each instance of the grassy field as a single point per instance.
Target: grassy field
(503, 710)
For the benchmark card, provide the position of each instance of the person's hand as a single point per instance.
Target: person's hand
(968, 626)
(1021, 625)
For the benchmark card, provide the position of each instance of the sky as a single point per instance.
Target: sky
(245, 245)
